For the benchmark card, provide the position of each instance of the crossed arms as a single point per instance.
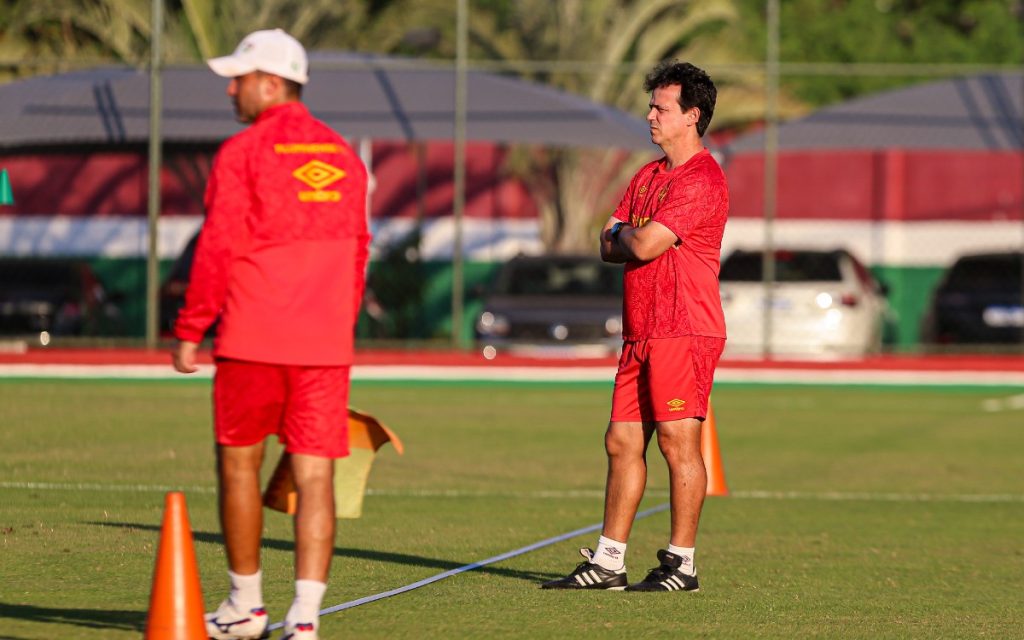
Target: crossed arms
(635, 243)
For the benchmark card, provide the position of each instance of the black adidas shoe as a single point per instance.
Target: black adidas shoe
(667, 577)
(588, 575)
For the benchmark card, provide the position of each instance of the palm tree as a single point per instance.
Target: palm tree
(610, 45)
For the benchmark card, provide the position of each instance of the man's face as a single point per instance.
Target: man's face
(666, 118)
(249, 94)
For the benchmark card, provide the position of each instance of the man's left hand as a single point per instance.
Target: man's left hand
(185, 357)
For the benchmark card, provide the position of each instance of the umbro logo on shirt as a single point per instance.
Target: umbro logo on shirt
(318, 174)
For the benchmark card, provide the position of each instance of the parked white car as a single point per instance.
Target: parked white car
(822, 303)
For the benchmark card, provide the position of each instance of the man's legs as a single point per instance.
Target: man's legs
(314, 541)
(679, 441)
(241, 505)
(314, 516)
(626, 446)
(241, 519)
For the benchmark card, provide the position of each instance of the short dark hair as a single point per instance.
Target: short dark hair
(695, 88)
(292, 88)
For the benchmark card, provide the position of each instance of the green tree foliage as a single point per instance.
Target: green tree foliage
(885, 32)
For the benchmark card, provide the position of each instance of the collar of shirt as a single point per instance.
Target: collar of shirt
(659, 169)
(292, 106)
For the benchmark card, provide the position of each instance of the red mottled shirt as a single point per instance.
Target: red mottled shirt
(676, 294)
(282, 253)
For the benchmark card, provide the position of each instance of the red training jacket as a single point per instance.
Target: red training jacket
(282, 254)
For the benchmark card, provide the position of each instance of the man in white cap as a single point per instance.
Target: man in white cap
(280, 263)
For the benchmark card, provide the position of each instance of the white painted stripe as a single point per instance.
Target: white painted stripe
(108, 236)
(724, 374)
(126, 236)
(894, 243)
(483, 239)
(597, 494)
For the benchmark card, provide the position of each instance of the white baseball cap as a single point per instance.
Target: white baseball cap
(271, 51)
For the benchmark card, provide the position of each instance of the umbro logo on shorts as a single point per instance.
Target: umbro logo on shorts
(676, 404)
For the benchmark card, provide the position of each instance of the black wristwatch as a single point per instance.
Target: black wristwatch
(616, 229)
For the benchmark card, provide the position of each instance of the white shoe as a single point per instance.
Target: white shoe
(229, 623)
(299, 631)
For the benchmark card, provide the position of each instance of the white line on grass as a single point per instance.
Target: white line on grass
(474, 565)
(569, 494)
(1010, 403)
(95, 486)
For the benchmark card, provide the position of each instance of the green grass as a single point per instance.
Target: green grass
(842, 556)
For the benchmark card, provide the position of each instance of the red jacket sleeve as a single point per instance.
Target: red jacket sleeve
(223, 235)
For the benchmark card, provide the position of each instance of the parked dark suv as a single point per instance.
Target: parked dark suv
(549, 304)
(978, 301)
(43, 298)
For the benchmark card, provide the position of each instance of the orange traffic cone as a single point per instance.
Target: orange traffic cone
(176, 601)
(712, 456)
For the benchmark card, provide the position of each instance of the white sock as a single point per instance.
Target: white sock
(686, 553)
(246, 591)
(610, 554)
(309, 594)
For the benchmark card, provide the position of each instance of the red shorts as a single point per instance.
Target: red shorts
(306, 407)
(665, 379)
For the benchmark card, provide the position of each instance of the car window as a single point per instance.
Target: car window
(986, 272)
(538, 278)
(790, 266)
(37, 275)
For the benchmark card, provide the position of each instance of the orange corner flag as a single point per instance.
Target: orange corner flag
(712, 456)
(366, 435)
(176, 602)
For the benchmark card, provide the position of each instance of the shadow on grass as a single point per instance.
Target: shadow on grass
(351, 552)
(91, 618)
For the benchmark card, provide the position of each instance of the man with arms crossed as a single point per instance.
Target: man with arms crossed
(668, 232)
(280, 262)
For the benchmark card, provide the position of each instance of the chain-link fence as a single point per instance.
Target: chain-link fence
(892, 220)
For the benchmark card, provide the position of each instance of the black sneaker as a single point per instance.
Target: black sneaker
(588, 575)
(667, 577)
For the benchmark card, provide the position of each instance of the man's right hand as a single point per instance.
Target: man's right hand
(185, 357)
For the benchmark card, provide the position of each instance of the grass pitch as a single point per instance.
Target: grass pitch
(856, 513)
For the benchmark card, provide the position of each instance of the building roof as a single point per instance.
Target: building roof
(358, 95)
(983, 112)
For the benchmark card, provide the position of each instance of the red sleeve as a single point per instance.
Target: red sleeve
(224, 231)
(691, 204)
(626, 204)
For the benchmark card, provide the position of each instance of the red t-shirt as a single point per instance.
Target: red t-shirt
(282, 254)
(676, 294)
